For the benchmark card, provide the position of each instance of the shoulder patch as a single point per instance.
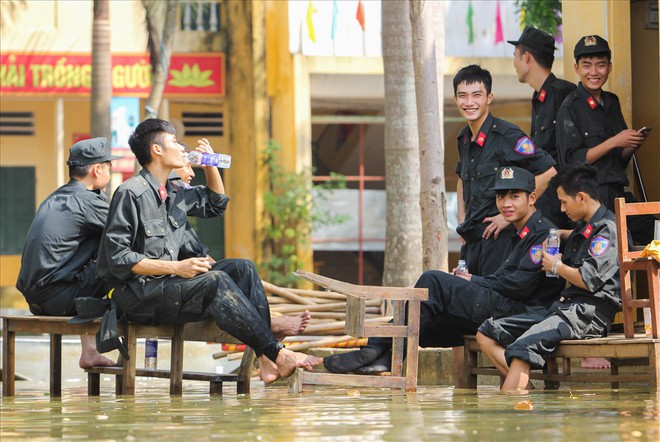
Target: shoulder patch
(598, 246)
(536, 253)
(524, 146)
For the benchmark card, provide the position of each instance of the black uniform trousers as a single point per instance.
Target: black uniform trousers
(455, 308)
(230, 293)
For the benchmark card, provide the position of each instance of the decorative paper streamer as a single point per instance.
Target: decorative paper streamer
(359, 16)
(335, 13)
(468, 21)
(499, 35)
(310, 22)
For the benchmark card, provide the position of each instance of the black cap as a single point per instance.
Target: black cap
(94, 150)
(591, 44)
(535, 39)
(89, 308)
(514, 178)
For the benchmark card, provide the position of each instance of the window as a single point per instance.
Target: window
(17, 201)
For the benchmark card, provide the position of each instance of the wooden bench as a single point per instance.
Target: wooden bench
(57, 326)
(404, 300)
(640, 351)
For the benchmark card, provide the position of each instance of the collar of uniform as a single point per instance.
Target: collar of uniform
(480, 138)
(153, 182)
(588, 228)
(543, 92)
(529, 225)
(591, 101)
(76, 183)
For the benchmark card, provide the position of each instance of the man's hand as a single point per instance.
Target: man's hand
(465, 276)
(549, 260)
(629, 138)
(192, 267)
(497, 224)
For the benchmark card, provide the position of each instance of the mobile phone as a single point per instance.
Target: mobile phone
(645, 130)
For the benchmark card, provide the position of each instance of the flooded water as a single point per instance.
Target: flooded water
(328, 414)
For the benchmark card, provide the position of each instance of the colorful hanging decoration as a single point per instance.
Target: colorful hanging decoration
(311, 10)
(468, 21)
(335, 14)
(359, 16)
(499, 34)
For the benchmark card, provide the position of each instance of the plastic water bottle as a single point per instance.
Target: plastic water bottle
(461, 268)
(151, 353)
(209, 159)
(552, 247)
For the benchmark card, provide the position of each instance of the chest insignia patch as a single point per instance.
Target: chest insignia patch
(524, 146)
(598, 246)
(481, 139)
(536, 253)
(542, 95)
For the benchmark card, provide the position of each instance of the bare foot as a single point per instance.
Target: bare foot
(94, 359)
(595, 363)
(290, 325)
(287, 361)
(268, 370)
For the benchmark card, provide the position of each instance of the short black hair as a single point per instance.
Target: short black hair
(577, 177)
(505, 192)
(603, 54)
(79, 171)
(543, 58)
(473, 74)
(147, 133)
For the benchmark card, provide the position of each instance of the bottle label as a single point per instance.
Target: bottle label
(151, 348)
(216, 160)
(552, 250)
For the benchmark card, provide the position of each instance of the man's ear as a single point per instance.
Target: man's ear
(532, 198)
(156, 149)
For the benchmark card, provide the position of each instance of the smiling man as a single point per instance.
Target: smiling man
(592, 130)
(484, 145)
(457, 305)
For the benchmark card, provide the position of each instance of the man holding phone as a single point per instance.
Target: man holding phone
(591, 129)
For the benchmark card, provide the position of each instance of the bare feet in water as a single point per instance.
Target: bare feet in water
(290, 325)
(94, 359)
(287, 361)
(595, 363)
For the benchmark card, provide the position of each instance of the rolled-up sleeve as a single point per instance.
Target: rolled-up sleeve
(120, 236)
(202, 202)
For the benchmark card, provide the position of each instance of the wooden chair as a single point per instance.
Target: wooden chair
(404, 300)
(631, 261)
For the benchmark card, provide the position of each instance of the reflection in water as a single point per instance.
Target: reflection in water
(271, 414)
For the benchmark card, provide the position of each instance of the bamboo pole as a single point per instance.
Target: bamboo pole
(286, 294)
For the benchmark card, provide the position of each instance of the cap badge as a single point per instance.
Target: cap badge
(507, 173)
(590, 41)
(524, 146)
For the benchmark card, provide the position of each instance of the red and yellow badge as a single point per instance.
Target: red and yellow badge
(587, 231)
(592, 102)
(481, 139)
(524, 146)
(542, 95)
(523, 233)
(507, 173)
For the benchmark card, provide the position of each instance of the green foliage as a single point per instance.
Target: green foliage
(289, 207)
(541, 14)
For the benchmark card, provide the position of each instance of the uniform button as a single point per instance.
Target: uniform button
(554, 121)
(176, 303)
(494, 125)
(472, 160)
(148, 231)
(494, 168)
(175, 224)
(542, 128)
(171, 251)
(586, 134)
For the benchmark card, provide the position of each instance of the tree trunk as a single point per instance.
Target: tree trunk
(161, 26)
(101, 71)
(432, 197)
(403, 244)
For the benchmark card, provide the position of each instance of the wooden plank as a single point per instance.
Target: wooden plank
(317, 378)
(412, 345)
(355, 312)
(176, 362)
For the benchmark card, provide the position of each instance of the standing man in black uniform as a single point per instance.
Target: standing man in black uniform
(59, 258)
(484, 145)
(533, 58)
(592, 130)
(457, 305)
(589, 302)
(139, 257)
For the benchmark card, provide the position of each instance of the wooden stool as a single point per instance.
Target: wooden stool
(632, 261)
(404, 300)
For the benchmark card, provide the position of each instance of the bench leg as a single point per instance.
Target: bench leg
(412, 343)
(469, 362)
(215, 388)
(245, 371)
(176, 362)
(614, 371)
(551, 368)
(93, 384)
(127, 383)
(55, 365)
(8, 360)
(296, 381)
(654, 365)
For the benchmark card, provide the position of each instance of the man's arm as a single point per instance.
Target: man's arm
(542, 181)
(460, 211)
(628, 139)
(157, 267)
(213, 178)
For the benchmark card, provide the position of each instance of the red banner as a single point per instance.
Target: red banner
(71, 74)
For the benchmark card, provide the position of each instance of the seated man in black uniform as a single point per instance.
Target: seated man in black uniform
(457, 305)
(59, 258)
(139, 257)
(587, 305)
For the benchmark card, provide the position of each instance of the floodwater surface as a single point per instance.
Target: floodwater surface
(329, 414)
